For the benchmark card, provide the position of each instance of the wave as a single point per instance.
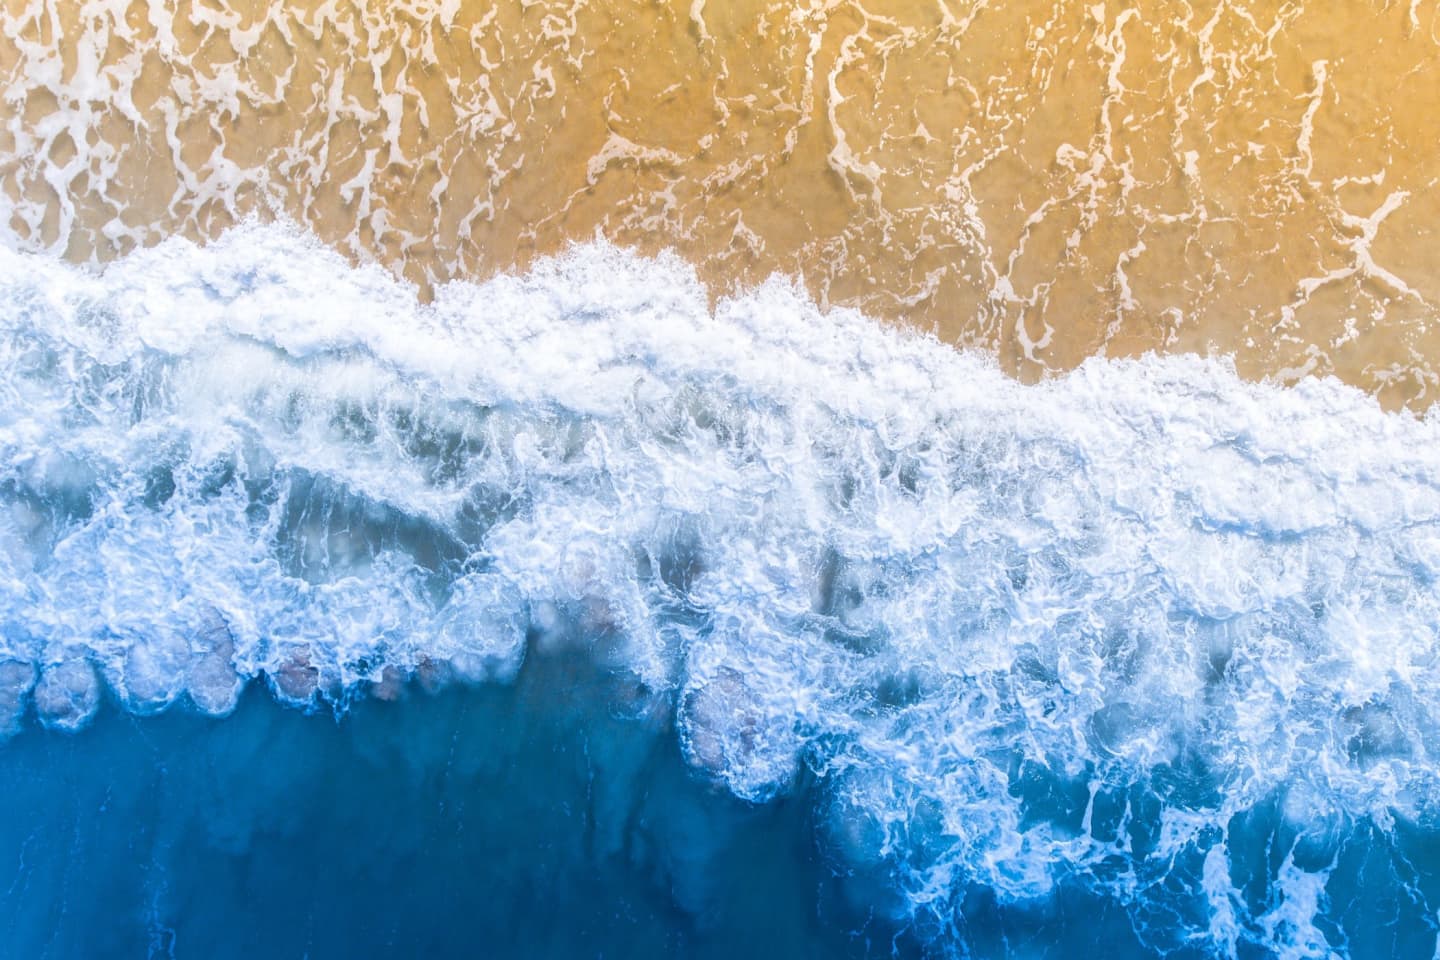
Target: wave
(1017, 635)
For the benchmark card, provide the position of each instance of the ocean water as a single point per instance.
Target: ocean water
(577, 613)
(480, 822)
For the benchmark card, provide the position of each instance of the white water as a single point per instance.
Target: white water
(815, 541)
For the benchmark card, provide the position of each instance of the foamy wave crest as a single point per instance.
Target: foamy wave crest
(1011, 637)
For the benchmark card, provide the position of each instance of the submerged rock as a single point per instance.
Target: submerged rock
(152, 673)
(68, 694)
(212, 682)
(296, 680)
(734, 737)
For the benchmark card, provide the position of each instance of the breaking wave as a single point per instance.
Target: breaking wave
(1146, 628)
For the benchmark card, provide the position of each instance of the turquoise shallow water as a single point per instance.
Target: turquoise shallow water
(758, 630)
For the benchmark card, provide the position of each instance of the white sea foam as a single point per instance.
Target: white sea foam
(823, 542)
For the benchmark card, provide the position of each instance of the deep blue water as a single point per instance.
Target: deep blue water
(521, 821)
(525, 821)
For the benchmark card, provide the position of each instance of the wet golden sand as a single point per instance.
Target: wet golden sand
(1046, 181)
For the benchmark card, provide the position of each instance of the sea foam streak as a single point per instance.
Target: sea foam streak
(1017, 635)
